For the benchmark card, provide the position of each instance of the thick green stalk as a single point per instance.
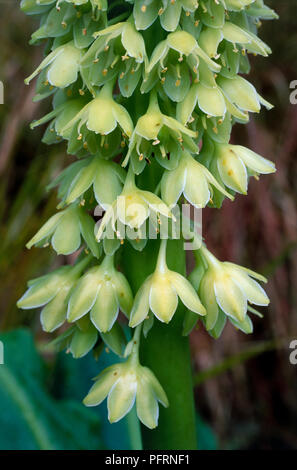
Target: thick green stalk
(167, 353)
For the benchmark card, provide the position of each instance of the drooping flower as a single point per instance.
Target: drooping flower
(192, 179)
(102, 115)
(83, 336)
(228, 288)
(60, 117)
(241, 96)
(125, 383)
(160, 293)
(132, 208)
(57, 19)
(63, 65)
(64, 230)
(102, 291)
(209, 100)
(235, 163)
(147, 11)
(183, 45)
(52, 293)
(105, 177)
(161, 135)
(105, 59)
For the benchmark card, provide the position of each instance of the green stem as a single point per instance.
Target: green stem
(167, 353)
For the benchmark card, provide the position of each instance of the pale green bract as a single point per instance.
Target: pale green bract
(134, 84)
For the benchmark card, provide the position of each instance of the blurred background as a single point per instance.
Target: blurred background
(245, 386)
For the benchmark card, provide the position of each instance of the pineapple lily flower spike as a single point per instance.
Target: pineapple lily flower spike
(145, 94)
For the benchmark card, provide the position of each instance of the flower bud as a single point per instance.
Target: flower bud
(62, 64)
(132, 208)
(125, 383)
(192, 179)
(64, 230)
(101, 291)
(242, 94)
(229, 287)
(233, 161)
(147, 11)
(57, 22)
(166, 133)
(105, 177)
(102, 115)
(52, 292)
(160, 293)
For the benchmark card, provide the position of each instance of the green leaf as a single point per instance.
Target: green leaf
(32, 419)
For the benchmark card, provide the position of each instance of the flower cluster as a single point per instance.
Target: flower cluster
(145, 94)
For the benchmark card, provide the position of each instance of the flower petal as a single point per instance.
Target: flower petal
(187, 293)
(196, 189)
(172, 184)
(100, 116)
(208, 298)
(141, 306)
(163, 298)
(157, 387)
(253, 291)
(83, 296)
(53, 314)
(254, 161)
(121, 397)
(40, 293)
(123, 292)
(83, 341)
(102, 386)
(146, 405)
(232, 171)
(105, 309)
(46, 230)
(230, 297)
(66, 238)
